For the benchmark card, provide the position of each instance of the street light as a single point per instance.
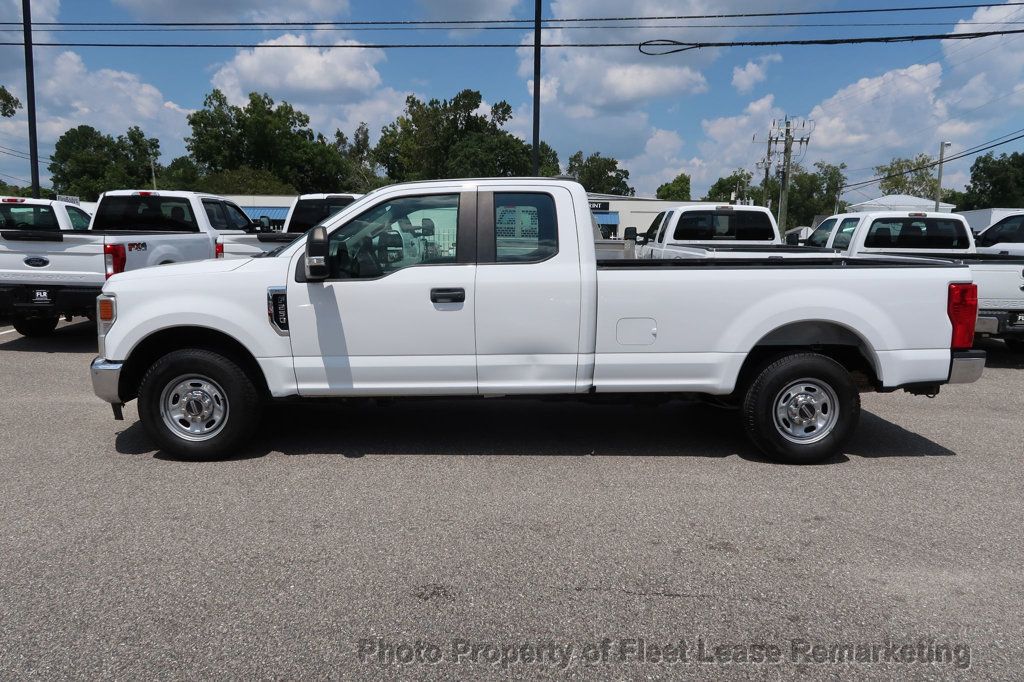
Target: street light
(942, 159)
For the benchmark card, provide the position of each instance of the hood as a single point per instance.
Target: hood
(202, 267)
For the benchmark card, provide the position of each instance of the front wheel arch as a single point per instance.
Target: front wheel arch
(168, 340)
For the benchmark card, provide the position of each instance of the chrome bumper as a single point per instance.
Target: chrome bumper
(967, 366)
(106, 376)
(986, 325)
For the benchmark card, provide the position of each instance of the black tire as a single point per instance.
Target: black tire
(35, 326)
(1015, 345)
(811, 377)
(229, 387)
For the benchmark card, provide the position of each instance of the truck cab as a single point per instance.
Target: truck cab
(20, 213)
(684, 231)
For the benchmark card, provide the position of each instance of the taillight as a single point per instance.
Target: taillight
(963, 313)
(115, 258)
(218, 249)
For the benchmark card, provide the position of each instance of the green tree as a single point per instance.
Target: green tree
(244, 180)
(182, 174)
(737, 182)
(814, 193)
(600, 174)
(8, 103)
(996, 182)
(265, 136)
(677, 190)
(909, 176)
(362, 165)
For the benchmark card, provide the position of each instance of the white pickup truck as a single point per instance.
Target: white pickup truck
(305, 212)
(506, 297)
(20, 213)
(46, 273)
(1003, 238)
(1000, 277)
(688, 231)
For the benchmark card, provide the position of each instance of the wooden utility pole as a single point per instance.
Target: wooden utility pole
(30, 96)
(536, 86)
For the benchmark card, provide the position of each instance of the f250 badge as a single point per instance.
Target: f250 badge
(136, 246)
(37, 262)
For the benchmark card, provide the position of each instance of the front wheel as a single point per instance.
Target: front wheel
(801, 408)
(35, 326)
(198, 405)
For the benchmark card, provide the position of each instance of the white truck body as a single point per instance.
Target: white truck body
(1004, 238)
(21, 213)
(999, 275)
(509, 298)
(306, 211)
(686, 231)
(46, 273)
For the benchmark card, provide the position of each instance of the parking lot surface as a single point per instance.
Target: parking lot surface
(550, 533)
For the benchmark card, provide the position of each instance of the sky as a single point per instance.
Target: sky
(703, 112)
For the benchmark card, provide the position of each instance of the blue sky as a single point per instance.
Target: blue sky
(698, 112)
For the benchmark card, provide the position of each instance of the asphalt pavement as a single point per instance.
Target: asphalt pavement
(506, 539)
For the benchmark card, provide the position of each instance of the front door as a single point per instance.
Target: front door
(397, 314)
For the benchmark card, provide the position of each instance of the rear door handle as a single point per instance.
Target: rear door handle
(448, 295)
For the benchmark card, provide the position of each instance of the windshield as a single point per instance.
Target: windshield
(821, 234)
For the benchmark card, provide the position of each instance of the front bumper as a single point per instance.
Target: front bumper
(106, 378)
(999, 323)
(42, 300)
(966, 366)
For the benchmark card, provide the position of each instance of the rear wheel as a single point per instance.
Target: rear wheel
(801, 408)
(1015, 345)
(35, 326)
(198, 405)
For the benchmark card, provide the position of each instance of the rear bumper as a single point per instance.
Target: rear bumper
(966, 366)
(106, 378)
(999, 323)
(41, 300)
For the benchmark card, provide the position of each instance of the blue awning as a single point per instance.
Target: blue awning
(272, 212)
(606, 217)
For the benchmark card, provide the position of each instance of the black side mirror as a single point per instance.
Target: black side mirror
(317, 250)
(630, 234)
(425, 231)
(264, 222)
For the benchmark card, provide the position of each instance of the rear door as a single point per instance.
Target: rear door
(528, 291)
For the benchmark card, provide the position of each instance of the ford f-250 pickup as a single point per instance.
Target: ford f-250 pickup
(506, 297)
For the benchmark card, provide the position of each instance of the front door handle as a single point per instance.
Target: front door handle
(448, 295)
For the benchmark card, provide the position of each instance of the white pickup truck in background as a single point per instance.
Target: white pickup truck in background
(46, 274)
(1000, 278)
(505, 296)
(674, 232)
(20, 213)
(305, 212)
(1003, 238)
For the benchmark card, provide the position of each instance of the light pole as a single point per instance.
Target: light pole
(942, 159)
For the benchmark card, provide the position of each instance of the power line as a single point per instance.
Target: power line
(18, 152)
(650, 47)
(15, 177)
(527, 22)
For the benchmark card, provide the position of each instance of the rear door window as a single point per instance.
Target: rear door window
(215, 214)
(724, 225)
(525, 227)
(1008, 231)
(917, 233)
(15, 217)
(145, 213)
(310, 212)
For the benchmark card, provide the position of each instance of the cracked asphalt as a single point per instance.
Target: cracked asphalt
(525, 539)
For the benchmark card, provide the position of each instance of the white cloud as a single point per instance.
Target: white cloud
(744, 78)
(331, 75)
(253, 10)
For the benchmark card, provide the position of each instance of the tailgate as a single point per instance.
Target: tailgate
(32, 257)
(1000, 285)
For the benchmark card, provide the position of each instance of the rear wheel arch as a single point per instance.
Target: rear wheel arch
(160, 343)
(830, 339)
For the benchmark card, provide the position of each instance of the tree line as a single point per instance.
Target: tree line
(268, 147)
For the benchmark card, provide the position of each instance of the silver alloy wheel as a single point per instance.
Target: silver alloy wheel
(194, 407)
(806, 411)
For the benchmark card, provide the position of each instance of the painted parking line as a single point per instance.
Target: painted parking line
(9, 331)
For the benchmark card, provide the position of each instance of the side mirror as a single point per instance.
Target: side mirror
(317, 250)
(630, 234)
(425, 231)
(264, 222)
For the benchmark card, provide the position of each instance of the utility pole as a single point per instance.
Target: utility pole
(30, 91)
(942, 159)
(784, 136)
(152, 169)
(536, 86)
(766, 165)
